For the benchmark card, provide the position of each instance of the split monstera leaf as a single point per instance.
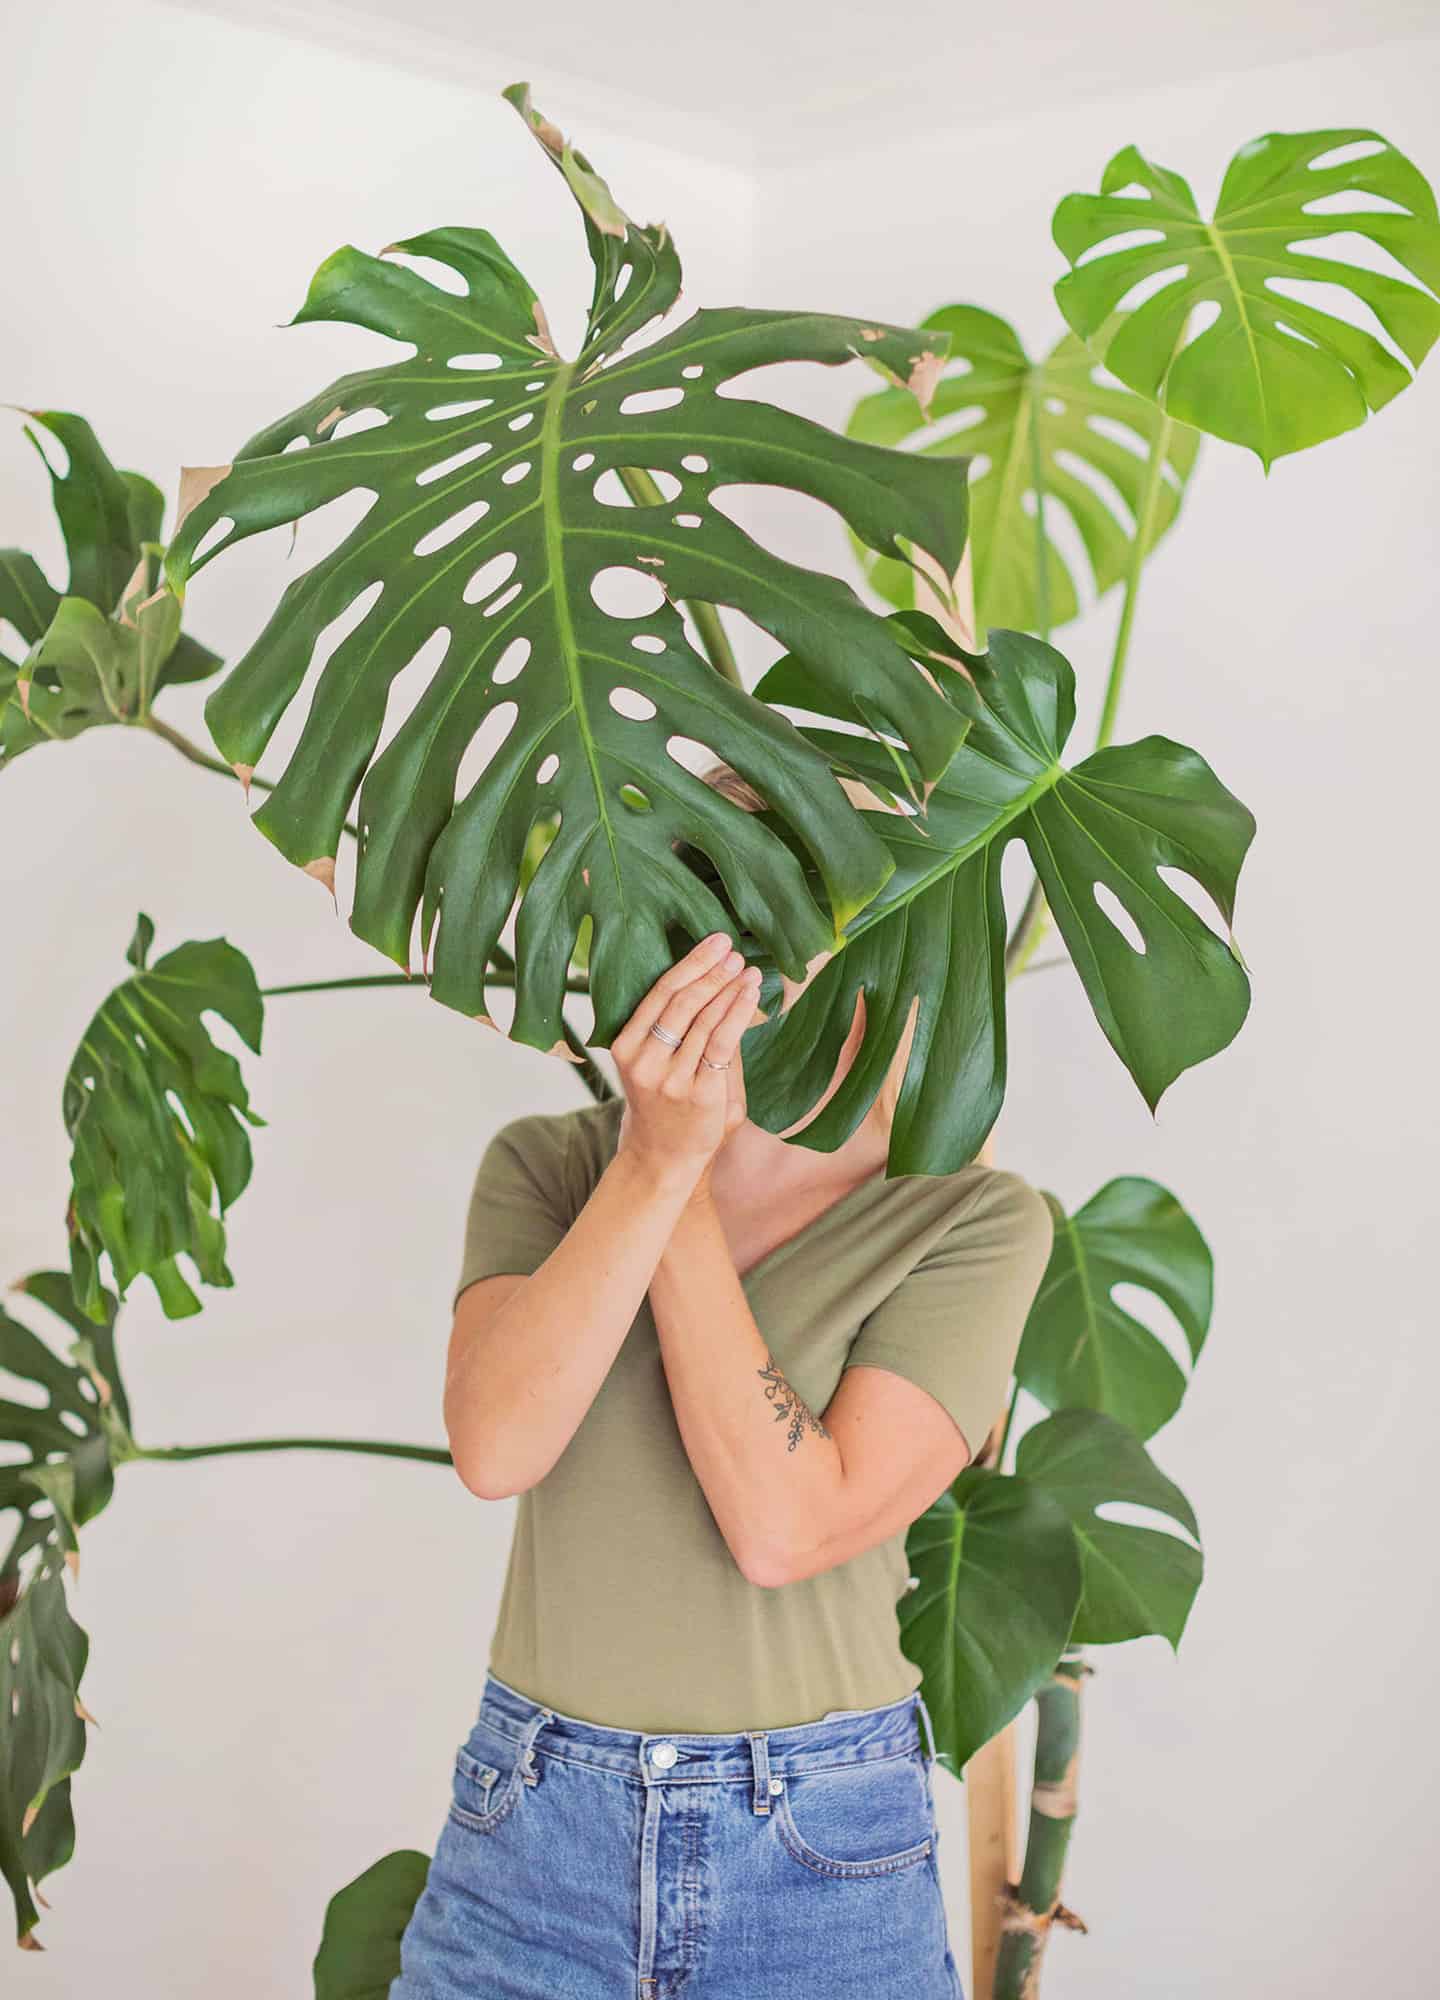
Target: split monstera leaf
(157, 1114)
(1086, 1542)
(1240, 332)
(100, 650)
(497, 530)
(1048, 437)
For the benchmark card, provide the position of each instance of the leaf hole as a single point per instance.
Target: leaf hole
(1354, 201)
(1117, 245)
(475, 363)
(1141, 293)
(511, 662)
(629, 702)
(548, 767)
(354, 422)
(583, 463)
(1112, 907)
(443, 277)
(519, 423)
(513, 474)
(451, 530)
(505, 598)
(213, 536)
(640, 402)
(1195, 896)
(693, 370)
(635, 798)
(483, 747)
(453, 463)
(626, 593)
(489, 577)
(1344, 156)
(646, 642)
(467, 409)
(694, 462)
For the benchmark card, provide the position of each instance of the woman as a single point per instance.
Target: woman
(723, 1374)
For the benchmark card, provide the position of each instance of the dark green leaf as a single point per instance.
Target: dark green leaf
(359, 1953)
(1042, 438)
(100, 510)
(1273, 371)
(1137, 1580)
(498, 460)
(157, 1113)
(1081, 1349)
(999, 1580)
(1111, 822)
(64, 1426)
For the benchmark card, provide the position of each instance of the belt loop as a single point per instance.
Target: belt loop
(527, 1743)
(760, 1758)
(929, 1726)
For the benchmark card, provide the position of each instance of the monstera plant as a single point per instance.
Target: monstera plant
(511, 659)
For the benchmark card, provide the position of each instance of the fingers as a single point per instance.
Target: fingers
(679, 1007)
(715, 1033)
(709, 952)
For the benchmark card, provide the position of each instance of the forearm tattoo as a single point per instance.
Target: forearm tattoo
(789, 1408)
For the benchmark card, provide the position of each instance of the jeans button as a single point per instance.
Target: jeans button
(663, 1755)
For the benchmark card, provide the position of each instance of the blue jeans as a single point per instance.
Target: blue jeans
(585, 1863)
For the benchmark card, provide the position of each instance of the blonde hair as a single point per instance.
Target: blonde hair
(726, 780)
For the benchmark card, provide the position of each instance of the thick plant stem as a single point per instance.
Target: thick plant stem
(429, 1454)
(645, 493)
(502, 976)
(1139, 550)
(1033, 1907)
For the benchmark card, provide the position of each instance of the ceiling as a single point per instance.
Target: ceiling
(760, 81)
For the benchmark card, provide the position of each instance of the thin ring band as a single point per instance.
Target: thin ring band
(664, 1035)
(709, 1065)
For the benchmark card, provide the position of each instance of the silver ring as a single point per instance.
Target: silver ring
(709, 1065)
(664, 1035)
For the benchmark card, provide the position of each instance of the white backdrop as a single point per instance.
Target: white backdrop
(286, 1649)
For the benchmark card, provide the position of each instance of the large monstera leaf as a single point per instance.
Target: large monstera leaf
(997, 1582)
(1137, 1579)
(1042, 437)
(100, 651)
(70, 1423)
(1099, 833)
(497, 524)
(1275, 369)
(1082, 1349)
(157, 1113)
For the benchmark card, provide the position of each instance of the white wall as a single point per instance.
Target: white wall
(285, 1650)
(1255, 1811)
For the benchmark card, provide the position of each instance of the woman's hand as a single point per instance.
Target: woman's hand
(682, 1103)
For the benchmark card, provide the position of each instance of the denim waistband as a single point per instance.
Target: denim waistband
(843, 1736)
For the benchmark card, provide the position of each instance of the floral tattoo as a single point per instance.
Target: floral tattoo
(789, 1408)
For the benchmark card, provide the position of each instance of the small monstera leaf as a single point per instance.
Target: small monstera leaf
(359, 1953)
(1274, 369)
(100, 652)
(72, 1421)
(1043, 437)
(498, 527)
(157, 1114)
(1099, 834)
(997, 1582)
(1080, 1348)
(1137, 1580)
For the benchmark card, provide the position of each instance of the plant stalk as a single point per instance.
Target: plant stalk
(371, 1447)
(1033, 1906)
(1139, 550)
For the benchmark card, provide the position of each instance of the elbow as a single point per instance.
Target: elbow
(486, 1474)
(768, 1565)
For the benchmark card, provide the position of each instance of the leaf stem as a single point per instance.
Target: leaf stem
(503, 976)
(371, 1447)
(1140, 547)
(708, 623)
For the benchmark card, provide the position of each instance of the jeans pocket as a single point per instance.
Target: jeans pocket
(870, 1818)
(487, 1780)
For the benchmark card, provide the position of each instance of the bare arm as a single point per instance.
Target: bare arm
(528, 1353)
(792, 1491)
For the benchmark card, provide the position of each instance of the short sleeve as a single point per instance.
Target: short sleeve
(517, 1212)
(953, 1323)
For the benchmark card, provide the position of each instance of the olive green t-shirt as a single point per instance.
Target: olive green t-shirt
(622, 1603)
